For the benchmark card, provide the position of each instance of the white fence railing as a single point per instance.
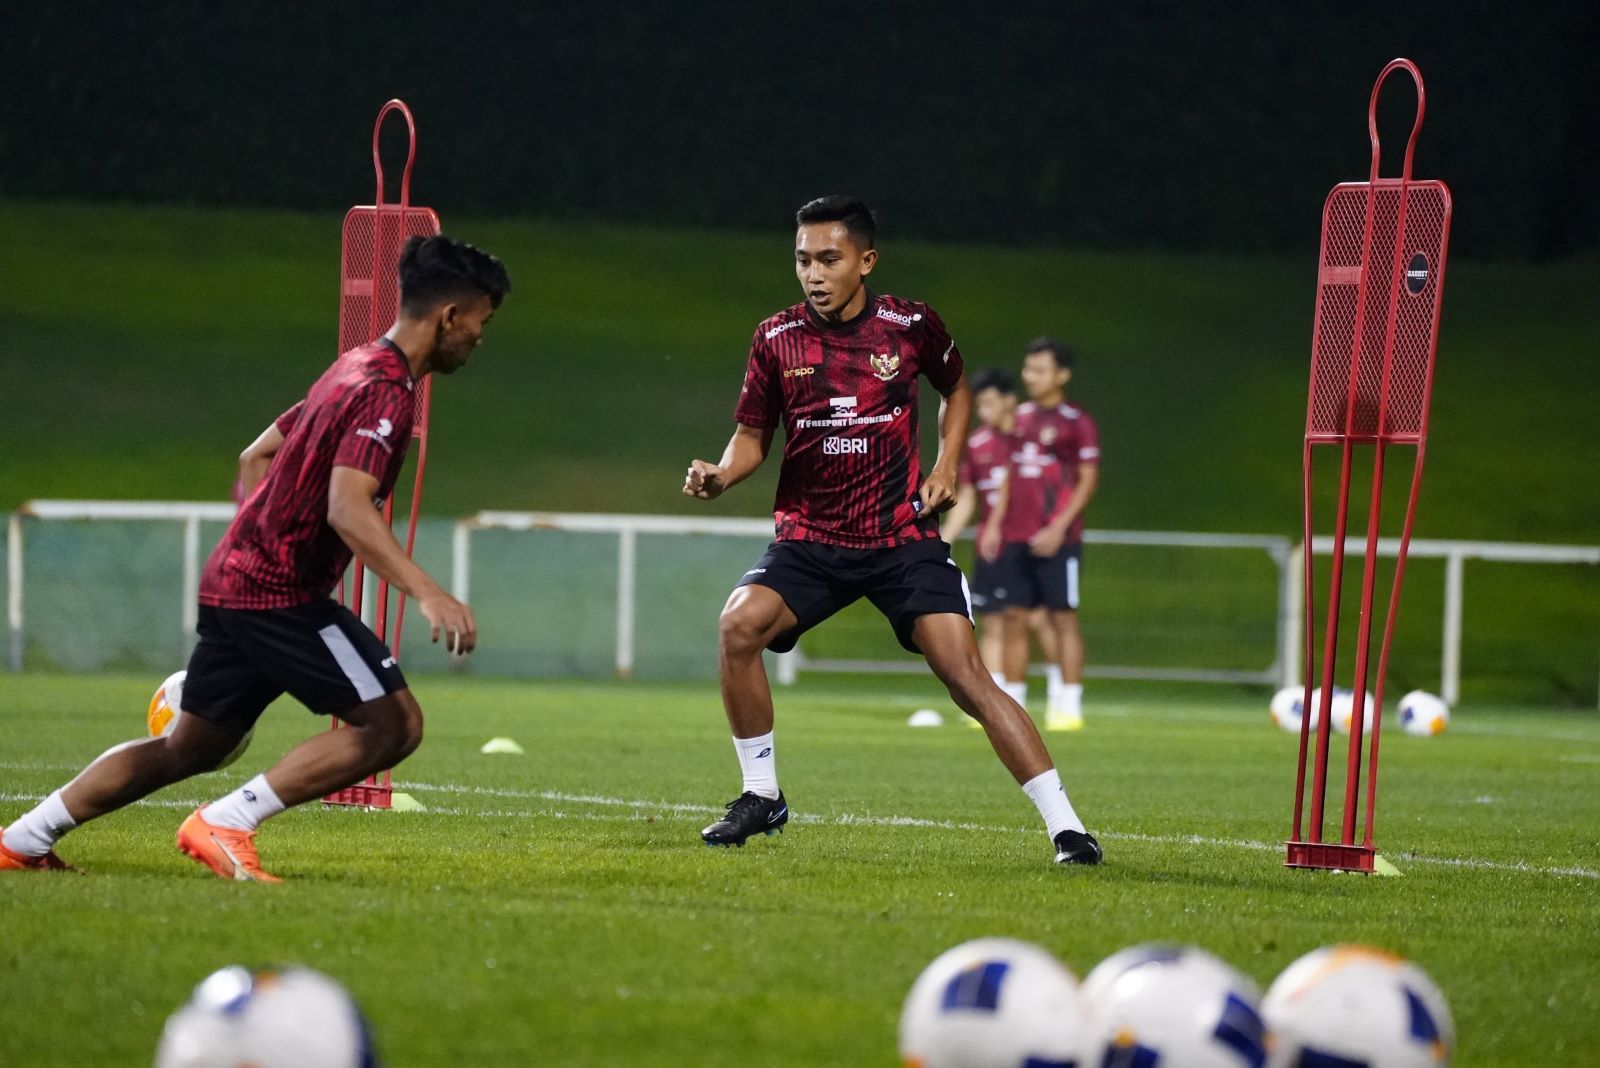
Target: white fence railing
(628, 529)
(1455, 554)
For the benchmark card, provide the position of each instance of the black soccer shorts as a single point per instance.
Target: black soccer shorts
(904, 582)
(1049, 581)
(997, 584)
(320, 653)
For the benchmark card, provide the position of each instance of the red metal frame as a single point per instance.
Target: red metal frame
(369, 298)
(1386, 379)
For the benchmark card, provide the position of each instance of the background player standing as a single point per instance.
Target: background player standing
(315, 480)
(1054, 475)
(854, 516)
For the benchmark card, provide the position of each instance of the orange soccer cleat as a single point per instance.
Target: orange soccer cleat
(228, 852)
(10, 861)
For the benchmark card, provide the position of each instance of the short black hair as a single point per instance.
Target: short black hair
(996, 379)
(435, 269)
(852, 211)
(1059, 351)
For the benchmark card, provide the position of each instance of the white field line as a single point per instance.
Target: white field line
(638, 809)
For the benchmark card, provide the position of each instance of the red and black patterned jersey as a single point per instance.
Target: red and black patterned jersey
(846, 396)
(280, 551)
(1051, 443)
(984, 466)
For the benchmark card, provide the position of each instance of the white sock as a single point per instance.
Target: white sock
(1070, 698)
(1052, 674)
(1050, 798)
(1018, 692)
(36, 833)
(245, 808)
(999, 678)
(759, 765)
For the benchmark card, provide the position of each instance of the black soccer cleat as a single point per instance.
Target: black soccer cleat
(1077, 847)
(748, 814)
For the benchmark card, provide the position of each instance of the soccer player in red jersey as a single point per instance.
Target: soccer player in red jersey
(854, 514)
(315, 480)
(979, 482)
(1054, 474)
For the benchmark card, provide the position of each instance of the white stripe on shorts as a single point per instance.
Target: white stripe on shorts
(368, 688)
(1072, 582)
(966, 590)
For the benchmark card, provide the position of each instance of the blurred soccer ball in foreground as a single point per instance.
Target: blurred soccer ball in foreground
(1357, 1007)
(1423, 714)
(1285, 707)
(166, 708)
(295, 1018)
(1158, 1006)
(993, 1003)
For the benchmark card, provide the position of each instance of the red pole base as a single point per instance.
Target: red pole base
(1330, 856)
(369, 793)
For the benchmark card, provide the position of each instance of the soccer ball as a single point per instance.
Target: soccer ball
(1343, 710)
(1285, 707)
(166, 708)
(1423, 714)
(1351, 1005)
(1160, 1006)
(294, 1018)
(993, 1003)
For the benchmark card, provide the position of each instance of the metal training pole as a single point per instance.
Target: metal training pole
(1380, 282)
(369, 300)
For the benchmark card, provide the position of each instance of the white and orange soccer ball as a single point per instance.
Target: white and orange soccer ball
(1343, 709)
(1357, 1006)
(1285, 708)
(166, 708)
(294, 1018)
(1423, 714)
(1162, 1006)
(994, 1003)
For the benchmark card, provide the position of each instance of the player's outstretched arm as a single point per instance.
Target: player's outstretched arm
(939, 488)
(255, 459)
(745, 452)
(352, 515)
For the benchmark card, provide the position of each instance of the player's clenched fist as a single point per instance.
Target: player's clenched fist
(704, 481)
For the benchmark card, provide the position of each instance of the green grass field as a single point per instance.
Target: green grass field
(558, 908)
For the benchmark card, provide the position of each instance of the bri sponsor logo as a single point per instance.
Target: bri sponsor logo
(836, 446)
(896, 317)
(781, 327)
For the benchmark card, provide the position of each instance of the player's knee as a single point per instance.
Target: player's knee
(967, 680)
(740, 631)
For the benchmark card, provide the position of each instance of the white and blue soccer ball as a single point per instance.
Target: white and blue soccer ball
(1343, 710)
(1286, 710)
(293, 1018)
(1357, 1007)
(1423, 714)
(1163, 1006)
(994, 1003)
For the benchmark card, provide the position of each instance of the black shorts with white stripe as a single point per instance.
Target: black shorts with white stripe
(319, 653)
(904, 582)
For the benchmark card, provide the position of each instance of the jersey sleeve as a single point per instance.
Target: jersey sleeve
(286, 422)
(1088, 440)
(941, 360)
(760, 399)
(375, 423)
